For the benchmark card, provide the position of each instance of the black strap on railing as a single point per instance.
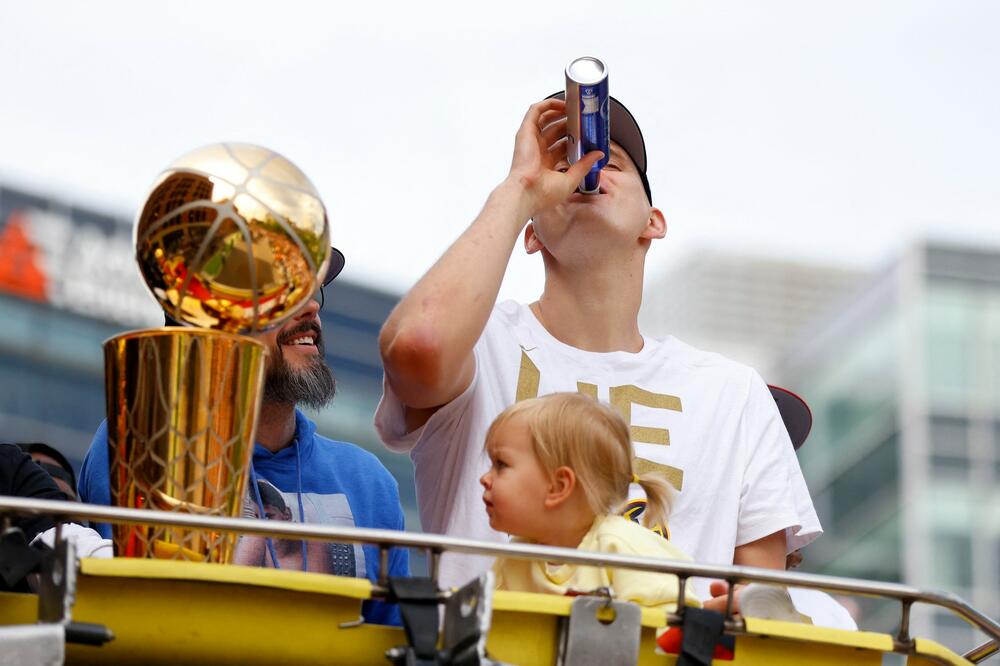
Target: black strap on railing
(702, 635)
(418, 605)
(17, 558)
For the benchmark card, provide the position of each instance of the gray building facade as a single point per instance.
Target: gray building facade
(904, 459)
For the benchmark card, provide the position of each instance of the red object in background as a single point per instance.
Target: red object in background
(20, 273)
(671, 639)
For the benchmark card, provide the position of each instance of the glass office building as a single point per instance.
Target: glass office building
(68, 282)
(904, 459)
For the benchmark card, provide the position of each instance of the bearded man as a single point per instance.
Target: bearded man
(317, 479)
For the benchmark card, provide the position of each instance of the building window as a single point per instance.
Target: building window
(952, 559)
(951, 319)
(949, 448)
(996, 448)
(950, 436)
(875, 473)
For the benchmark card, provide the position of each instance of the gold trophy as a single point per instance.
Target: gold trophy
(232, 239)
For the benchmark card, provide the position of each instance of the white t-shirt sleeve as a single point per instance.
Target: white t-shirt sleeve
(440, 449)
(773, 495)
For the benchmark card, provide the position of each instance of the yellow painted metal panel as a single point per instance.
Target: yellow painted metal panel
(127, 567)
(938, 654)
(524, 638)
(177, 621)
(778, 651)
(553, 604)
(854, 639)
(532, 639)
(184, 612)
(16, 608)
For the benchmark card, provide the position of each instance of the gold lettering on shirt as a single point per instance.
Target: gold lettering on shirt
(622, 399)
(527, 379)
(674, 476)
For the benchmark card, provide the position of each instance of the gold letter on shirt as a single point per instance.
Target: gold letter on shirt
(527, 379)
(622, 399)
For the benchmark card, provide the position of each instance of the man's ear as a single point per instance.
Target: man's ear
(656, 226)
(532, 243)
(561, 486)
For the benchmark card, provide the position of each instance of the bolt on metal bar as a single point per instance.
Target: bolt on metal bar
(387, 538)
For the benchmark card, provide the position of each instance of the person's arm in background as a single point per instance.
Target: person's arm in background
(427, 341)
(766, 553)
(769, 508)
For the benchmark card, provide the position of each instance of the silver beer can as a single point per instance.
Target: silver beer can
(588, 125)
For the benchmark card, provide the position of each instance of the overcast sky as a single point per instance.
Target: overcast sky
(820, 130)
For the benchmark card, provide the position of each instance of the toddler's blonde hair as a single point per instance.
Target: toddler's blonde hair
(592, 439)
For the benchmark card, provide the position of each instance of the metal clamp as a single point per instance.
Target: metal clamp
(594, 637)
(57, 594)
(467, 617)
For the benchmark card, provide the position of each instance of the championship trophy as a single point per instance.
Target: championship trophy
(232, 239)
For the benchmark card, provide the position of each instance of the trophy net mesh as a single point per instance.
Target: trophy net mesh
(182, 408)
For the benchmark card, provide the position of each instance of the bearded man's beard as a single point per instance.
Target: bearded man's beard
(313, 385)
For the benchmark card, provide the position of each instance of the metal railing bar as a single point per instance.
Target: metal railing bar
(390, 538)
(978, 654)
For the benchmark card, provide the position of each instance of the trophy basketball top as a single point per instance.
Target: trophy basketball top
(232, 237)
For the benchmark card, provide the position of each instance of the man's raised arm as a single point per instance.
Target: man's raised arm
(427, 341)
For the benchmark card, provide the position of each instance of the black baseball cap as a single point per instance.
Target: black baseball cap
(337, 262)
(795, 413)
(626, 133)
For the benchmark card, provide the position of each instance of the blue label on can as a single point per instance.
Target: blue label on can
(595, 129)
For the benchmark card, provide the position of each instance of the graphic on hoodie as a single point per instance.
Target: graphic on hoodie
(323, 557)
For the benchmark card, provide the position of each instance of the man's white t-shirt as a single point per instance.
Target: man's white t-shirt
(708, 424)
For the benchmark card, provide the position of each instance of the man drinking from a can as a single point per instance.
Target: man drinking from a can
(454, 358)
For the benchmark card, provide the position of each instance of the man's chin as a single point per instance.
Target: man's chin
(300, 380)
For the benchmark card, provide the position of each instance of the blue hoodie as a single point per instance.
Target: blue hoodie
(342, 484)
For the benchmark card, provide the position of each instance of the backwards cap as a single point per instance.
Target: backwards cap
(626, 133)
